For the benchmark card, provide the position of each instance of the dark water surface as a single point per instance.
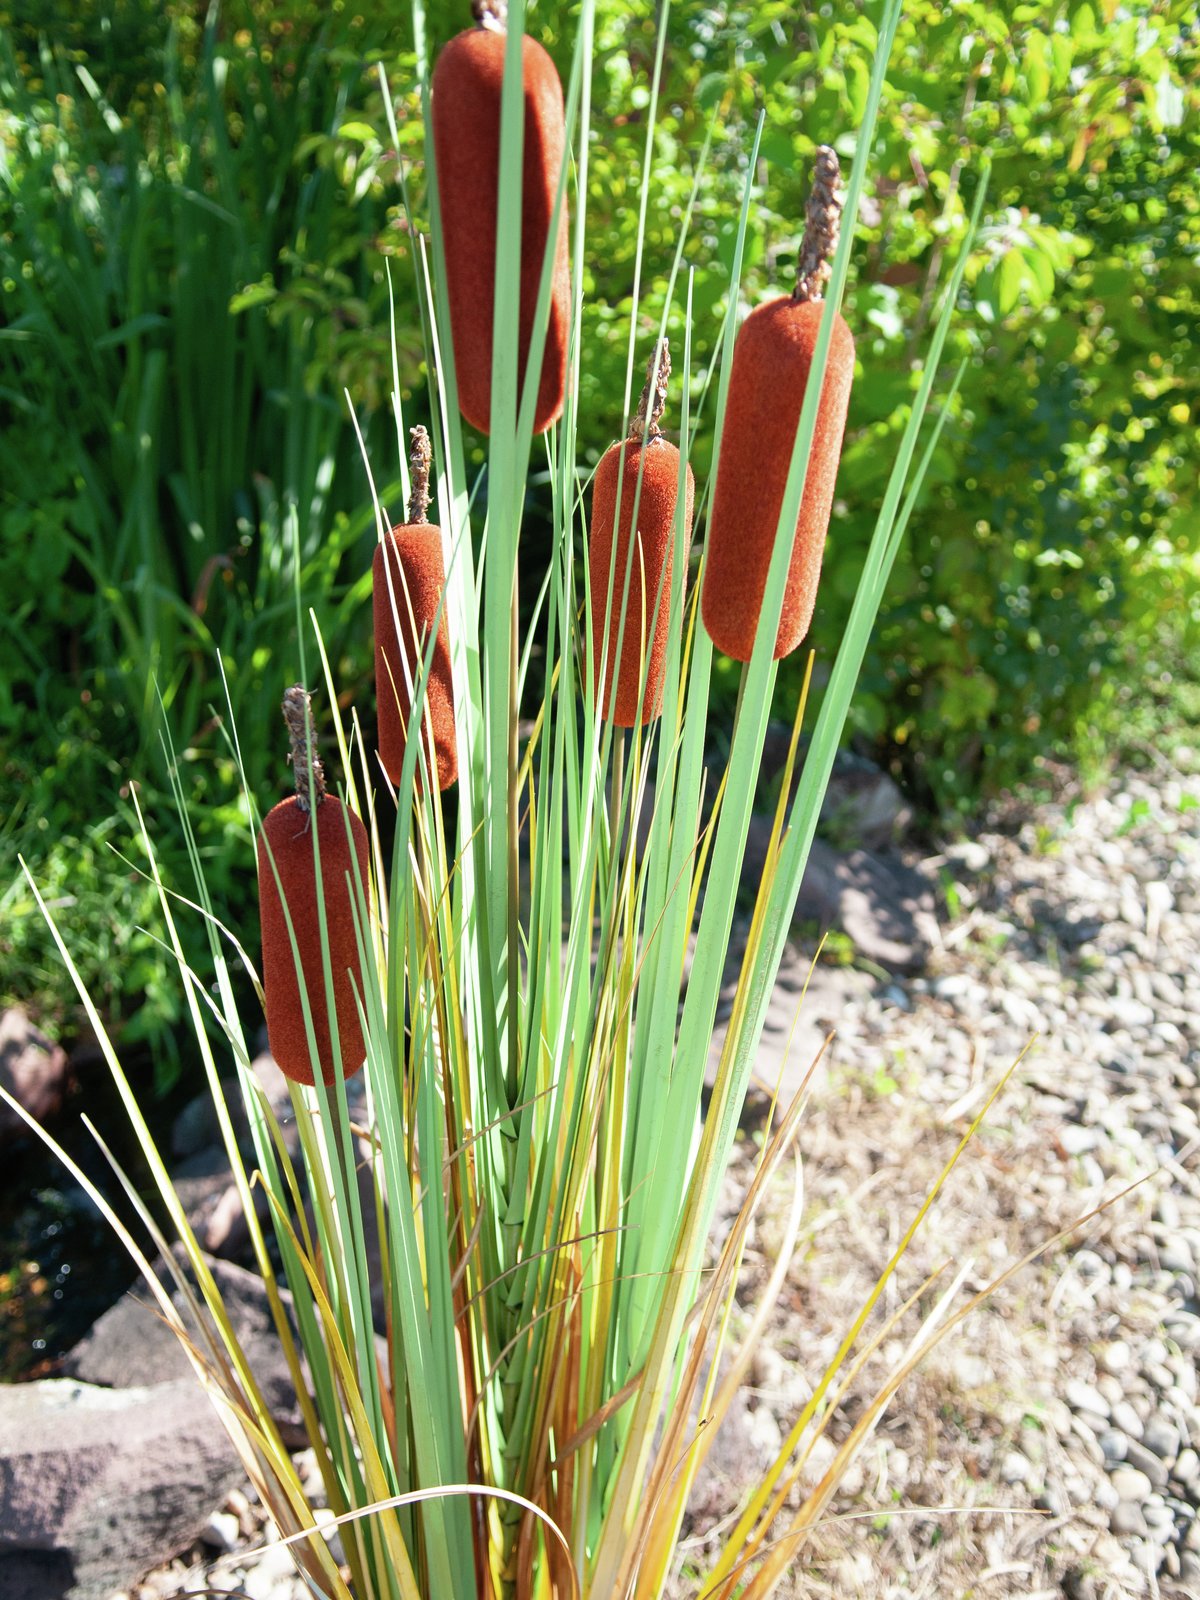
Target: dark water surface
(61, 1265)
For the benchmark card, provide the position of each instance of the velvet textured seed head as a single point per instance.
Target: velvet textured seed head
(467, 84)
(407, 572)
(652, 566)
(285, 846)
(772, 360)
(408, 582)
(649, 560)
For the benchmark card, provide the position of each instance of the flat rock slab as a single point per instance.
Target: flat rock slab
(131, 1346)
(806, 1005)
(98, 1485)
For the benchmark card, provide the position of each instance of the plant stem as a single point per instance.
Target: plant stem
(306, 763)
(419, 460)
(491, 14)
(822, 225)
(650, 407)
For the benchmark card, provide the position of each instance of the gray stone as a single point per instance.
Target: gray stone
(131, 1346)
(1115, 1356)
(1126, 1418)
(1159, 1518)
(1114, 1444)
(106, 1483)
(33, 1069)
(1187, 1468)
(969, 854)
(1161, 1436)
(1154, 1467)
(1082, 1396)
(1015, 1468)
(1184, 1328)
(1132, 1486)
(221, 1532)
(1133, 1014)
(1176, 1257)
(1127, 1520)
(1076, 1138)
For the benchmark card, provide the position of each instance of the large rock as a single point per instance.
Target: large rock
(887, 908)
(196, 1128)
(863, 806)
(131, 1346)
(98, 1485)
(33, 1069)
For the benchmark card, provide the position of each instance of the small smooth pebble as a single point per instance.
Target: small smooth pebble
(221, 1531)
(1133, 1486)
(1127, 1521)
(1086, 1397)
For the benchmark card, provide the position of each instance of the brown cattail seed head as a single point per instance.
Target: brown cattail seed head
(656, 461)
(287, 875)
(771, 362)
(467, 83)
(408, 580)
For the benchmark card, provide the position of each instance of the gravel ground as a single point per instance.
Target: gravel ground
(1052, 1446)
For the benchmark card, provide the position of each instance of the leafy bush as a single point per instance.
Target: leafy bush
(179, 465)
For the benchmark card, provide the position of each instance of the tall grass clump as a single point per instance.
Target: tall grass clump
(184, 273)
(529, 978)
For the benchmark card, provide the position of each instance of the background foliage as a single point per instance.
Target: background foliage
(197, 208)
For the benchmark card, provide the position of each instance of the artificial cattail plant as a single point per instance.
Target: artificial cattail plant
(311, 851)
(630, 575)
(468, 82)
(503, 1403)
(408, 588)
(772, 362)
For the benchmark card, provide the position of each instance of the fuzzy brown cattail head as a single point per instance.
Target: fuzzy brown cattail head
(771, 362)
(644, 469)
(408, 583)
(291, 887)
(467, 86)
